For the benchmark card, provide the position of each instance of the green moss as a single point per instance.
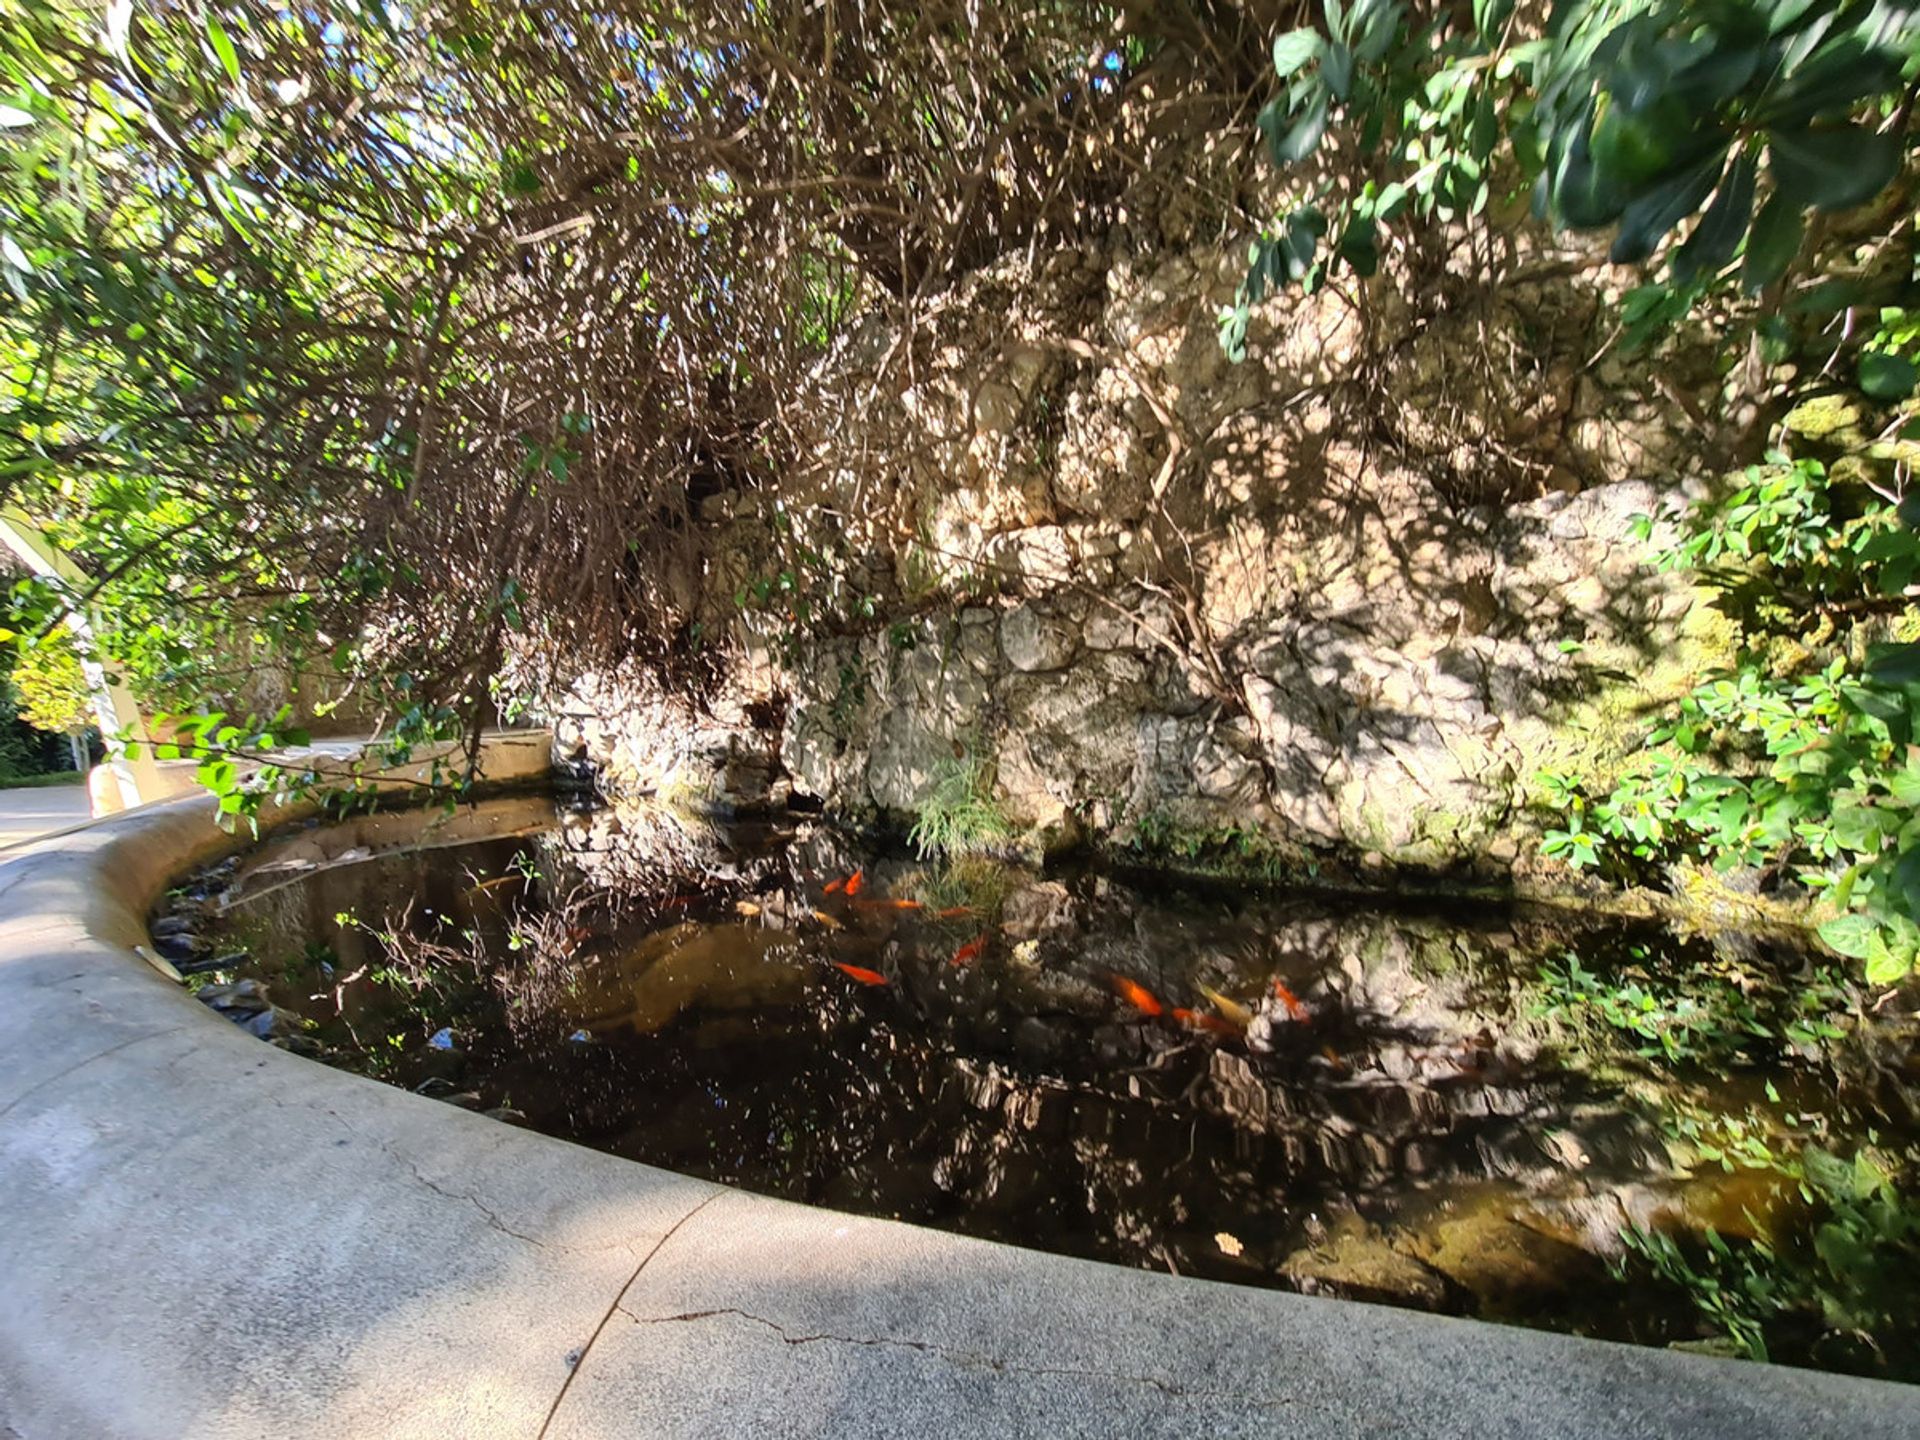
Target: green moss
(1830, 419)
(1595, 735)
(1227, 851)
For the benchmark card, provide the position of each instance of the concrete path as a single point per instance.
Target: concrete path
(205, 1236)
(27, 814)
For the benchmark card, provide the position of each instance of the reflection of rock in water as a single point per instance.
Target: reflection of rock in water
(1356, 1261)
(1394, 1123)
(712, 967)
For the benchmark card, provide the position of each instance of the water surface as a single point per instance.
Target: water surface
(1420, 1105)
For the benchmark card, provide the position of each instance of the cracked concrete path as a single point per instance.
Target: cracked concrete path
(204, 1236)
(759, 1317)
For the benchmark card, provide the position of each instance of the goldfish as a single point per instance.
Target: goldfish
(854, 882)
(1229, 1008)
(1295, 1010)
(828, 920)
(970, 951)
(485, 885)
(860, 973)
(833, 887)
(1332, 1057)
(1213, 1024)
(1136, 995)
(954, 912)
(888, 904)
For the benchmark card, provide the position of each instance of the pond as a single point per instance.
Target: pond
(1490, 1111)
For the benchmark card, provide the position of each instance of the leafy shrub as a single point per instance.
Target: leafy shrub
(51, 685)
(1805, 766)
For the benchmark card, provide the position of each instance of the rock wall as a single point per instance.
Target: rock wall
(1338, 604)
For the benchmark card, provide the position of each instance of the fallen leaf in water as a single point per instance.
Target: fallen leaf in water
(1228, 1244)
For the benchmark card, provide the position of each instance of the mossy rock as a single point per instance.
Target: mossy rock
(1835, 420)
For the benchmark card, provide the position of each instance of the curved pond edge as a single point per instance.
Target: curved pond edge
(202, 1235)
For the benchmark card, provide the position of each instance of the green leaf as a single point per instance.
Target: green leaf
(1885, 966)
(1359, 248)
(1658, 209)
(1849, 935)
(1905, 785)
(1832, 169)
(1337, 70)
(223, 47)
(1717, 236)
(1887, 377)
(1837, 78)
(1903, 882)
(1294, 50)
(1895, 664)
(1775, 240)
(1304, 137)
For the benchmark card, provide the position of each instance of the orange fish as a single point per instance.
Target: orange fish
(970, 951)
(1332, 1057)
(953, 912)
(1136, 995)
(1212, 1024)
(886, 905)
(855, 881)
(864, 976)
(833, 887)
(1295, 1010)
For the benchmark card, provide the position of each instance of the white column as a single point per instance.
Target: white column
(113, 707)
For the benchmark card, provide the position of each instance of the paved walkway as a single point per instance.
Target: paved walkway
(27, 814)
